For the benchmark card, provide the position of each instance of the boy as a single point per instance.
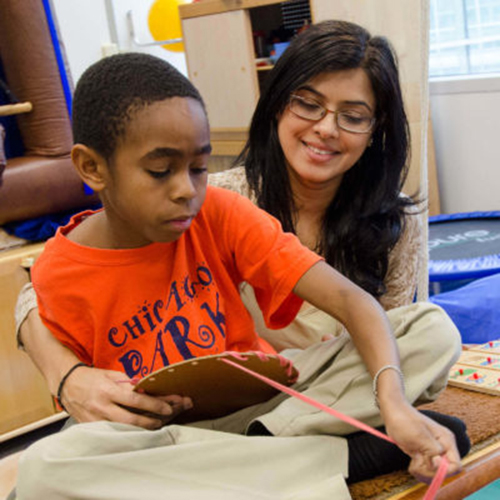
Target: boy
(153, 278)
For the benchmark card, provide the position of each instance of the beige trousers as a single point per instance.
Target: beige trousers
(303, 460)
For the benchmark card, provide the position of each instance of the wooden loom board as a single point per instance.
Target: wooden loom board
(216, 388)
(478, 369)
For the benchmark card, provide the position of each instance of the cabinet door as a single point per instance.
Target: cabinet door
(24, 396)
(221, 64)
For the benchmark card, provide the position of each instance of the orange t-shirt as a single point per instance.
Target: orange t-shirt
(137, 310)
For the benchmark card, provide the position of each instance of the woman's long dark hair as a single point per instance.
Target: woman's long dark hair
(366, 218)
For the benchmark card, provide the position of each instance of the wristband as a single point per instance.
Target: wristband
(377, 375)
(63, 381)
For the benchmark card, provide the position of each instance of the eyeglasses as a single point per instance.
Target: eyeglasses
(349, 121)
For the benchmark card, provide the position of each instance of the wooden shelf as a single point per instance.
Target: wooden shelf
(228, 141)
(38, 424)
(208, 7)
(15, 109)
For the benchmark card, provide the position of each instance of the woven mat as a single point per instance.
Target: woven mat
(478, 411)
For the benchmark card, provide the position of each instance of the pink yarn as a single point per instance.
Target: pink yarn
(443, 466)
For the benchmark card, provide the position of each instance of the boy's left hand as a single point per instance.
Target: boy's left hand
(178, 404)
(424, 440)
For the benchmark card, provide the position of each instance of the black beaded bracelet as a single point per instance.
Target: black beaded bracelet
(63, 381)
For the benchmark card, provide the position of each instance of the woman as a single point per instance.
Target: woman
(335, 178)
(327, 155)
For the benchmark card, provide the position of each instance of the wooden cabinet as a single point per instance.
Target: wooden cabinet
(221, 54)
(221, 60)
(221, 63)
(24, 396)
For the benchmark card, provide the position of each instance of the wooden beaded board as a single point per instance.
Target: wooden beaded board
(478, 369)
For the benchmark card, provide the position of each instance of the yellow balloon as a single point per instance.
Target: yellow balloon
(164, 22)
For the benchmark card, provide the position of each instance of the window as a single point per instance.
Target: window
(464, 37)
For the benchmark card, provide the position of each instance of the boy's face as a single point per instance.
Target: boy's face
(156, 182)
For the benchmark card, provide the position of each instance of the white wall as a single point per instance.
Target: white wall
(466, 121)
(90, 29)
(140, 10)
(83, 28)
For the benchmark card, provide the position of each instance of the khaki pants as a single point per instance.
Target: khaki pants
(213, 459)
(114, 461)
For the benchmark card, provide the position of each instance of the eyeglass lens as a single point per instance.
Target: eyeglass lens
(311, 110)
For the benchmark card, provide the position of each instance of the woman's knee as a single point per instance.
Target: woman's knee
(426, 327)
(443, 333)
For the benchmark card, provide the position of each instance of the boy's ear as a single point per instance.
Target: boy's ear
(91, 166)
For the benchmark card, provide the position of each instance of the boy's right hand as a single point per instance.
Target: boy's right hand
(92, 394)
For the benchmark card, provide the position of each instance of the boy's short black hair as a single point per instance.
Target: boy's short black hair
(111, 90)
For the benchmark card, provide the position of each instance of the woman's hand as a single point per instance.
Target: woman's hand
(91, 394)
(424, 440)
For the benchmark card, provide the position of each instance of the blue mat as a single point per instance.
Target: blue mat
(474, 308)
(43, 227)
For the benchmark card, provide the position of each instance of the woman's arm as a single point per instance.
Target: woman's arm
(372, 335)
(48, 354)
(89, 393)
(233, 179)
(405, 261)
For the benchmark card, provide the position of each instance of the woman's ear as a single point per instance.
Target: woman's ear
(91, 166)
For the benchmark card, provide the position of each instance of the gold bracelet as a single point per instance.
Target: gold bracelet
(377, 375)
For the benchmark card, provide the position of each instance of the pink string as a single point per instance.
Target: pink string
(284, 362)
(132, 381)
(238, 355)
(443, 466)
(438, 479)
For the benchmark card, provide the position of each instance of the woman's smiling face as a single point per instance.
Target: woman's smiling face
(318, 153)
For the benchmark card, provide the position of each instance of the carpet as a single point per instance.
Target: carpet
(479, 412)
